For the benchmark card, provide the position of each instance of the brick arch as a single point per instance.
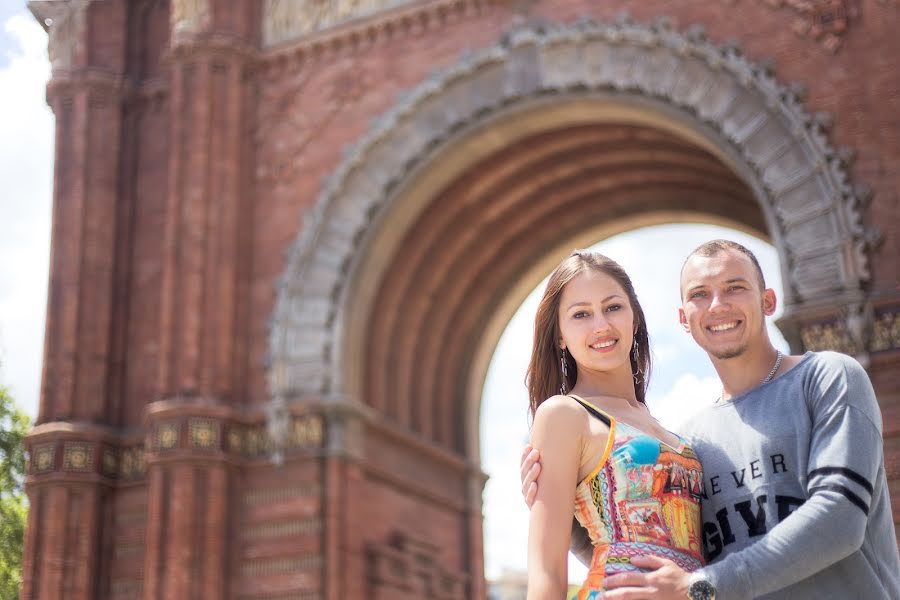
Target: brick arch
(711, 95)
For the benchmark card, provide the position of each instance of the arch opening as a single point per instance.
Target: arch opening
(468, 259)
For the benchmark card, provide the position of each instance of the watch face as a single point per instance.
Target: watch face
(701, 590)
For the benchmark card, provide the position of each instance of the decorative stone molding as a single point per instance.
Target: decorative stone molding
(114, 460)
(78, 457)
(42, 458)
(860, 331)
(801, 181)
(66, 24)
(240, 439)
(278, 529)
(411, 565)
(189, 16)
(284, 20)
(829, 336)
(275, 566)
(132, 464)
(405, 18)
(330, 26)
(285, 494)
(886, 332)
(824, 21)
(221, 46)
(83, 452)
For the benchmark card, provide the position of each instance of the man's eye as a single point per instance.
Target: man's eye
(698, 294)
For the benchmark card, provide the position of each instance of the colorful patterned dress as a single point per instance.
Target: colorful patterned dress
(642, 498)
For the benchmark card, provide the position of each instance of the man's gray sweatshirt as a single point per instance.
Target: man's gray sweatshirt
(796, 502)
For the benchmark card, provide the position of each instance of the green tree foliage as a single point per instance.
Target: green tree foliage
(13, 504)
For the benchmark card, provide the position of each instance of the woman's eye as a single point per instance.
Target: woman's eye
(580, 314)
(613, 307)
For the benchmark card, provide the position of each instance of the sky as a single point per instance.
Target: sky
(26, 182)
(682, 380)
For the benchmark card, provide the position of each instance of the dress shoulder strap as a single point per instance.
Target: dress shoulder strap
(593, 409)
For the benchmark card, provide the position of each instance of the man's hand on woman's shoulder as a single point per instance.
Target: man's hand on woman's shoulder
(529, 469)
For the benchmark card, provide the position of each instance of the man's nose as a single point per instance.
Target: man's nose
(718, 301)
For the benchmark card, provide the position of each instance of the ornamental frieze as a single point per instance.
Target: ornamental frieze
(285, 20)
(886, 332)
(125, 462)
(826, 22)
(881, 333)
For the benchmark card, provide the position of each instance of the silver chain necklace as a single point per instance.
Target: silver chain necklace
(778, 357)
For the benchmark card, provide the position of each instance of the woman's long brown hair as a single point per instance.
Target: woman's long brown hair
(544, 377)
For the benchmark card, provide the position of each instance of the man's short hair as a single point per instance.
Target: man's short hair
(714, 247)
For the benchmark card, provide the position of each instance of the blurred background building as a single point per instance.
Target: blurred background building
(288, 234)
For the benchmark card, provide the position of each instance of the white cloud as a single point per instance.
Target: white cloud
(689, 394)
(26, 172)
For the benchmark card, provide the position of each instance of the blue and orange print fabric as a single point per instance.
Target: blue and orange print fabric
(642, 498)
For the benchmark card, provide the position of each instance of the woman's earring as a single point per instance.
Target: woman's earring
(636, 357)
(563, 387)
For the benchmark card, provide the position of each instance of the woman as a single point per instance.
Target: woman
(634, 486)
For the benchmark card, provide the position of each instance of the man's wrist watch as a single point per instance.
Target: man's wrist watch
(701, 588)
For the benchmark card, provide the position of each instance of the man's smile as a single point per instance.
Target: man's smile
(723, 326)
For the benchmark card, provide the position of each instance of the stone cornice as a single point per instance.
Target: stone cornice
(211, 45)
(100, 83)
(203, 430)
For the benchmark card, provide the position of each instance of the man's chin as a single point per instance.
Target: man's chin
(725, 353)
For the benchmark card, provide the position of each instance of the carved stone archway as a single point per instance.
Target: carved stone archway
(677, 80)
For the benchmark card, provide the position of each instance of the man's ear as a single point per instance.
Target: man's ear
(770, 302)
(682, 318)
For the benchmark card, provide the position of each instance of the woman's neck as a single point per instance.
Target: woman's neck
(606, 384)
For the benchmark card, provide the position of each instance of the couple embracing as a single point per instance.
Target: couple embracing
(777, 490)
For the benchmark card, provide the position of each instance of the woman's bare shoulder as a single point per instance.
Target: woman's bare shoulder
(560, 410)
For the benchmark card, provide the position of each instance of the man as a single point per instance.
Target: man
(795, 500)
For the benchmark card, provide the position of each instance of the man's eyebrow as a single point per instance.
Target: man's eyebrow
(574, 304)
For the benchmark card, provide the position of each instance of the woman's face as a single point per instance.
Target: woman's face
(596, 322)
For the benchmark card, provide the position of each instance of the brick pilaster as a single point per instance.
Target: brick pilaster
(68, 483)
(205, 248)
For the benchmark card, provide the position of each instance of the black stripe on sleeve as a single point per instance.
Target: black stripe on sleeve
(848, 473)
(845, 493)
